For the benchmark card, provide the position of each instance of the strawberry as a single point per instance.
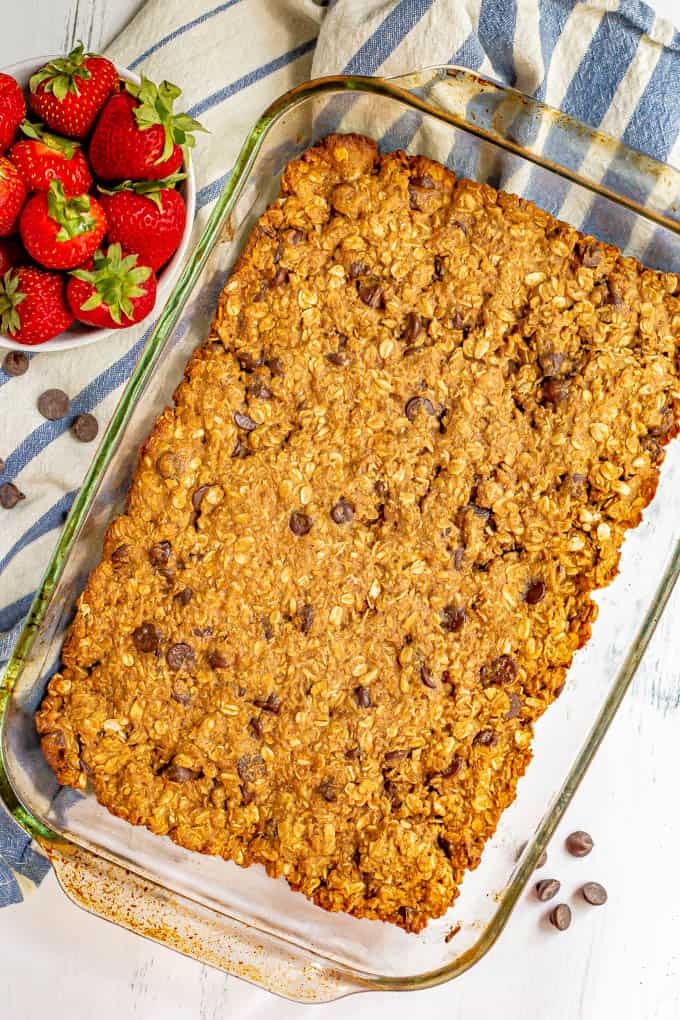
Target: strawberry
(146, 217)
(68, 92)
(60, 232)
(138, 136)
(12, 196)
(113, 290)
(32, 305)
(11, 254)
(12, 110)
(43, 157)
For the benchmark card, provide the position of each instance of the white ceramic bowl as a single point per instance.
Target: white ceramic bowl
(81, 335)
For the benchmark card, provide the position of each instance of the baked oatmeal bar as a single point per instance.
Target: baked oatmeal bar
(358, 552)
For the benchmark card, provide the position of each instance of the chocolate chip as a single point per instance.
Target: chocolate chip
(337, 358)
(515, 706)
(300, 524)
(280, 277)
(295, 236)
(485, 738)
(414, 404)
(259, 390)
(306, 618)
(591, 256)
(502, 670)
(121, 554)
(480, 511)
(392, 757)
(356, 269)
(613, 295)
(534, 593)
(181, 697)
(551, 362)
(166, 464)
(251, 767)
(547, 889)
(594, 893)
(327, 790)
(216, 660)
(453, 768)
(452, 618)
(372, 294)
(202, 631)
(423, 181)
(426, 678)
(439, 268)
(271, 704)
(381, 489)
(248, 362)
(15, 363)
(241, 449)
(159, 554)
(554, 391)
(180, 656)
(53, 404)
(85, 427)
(363, 696)
(342, 512)
(414, 327)
(197, 497)
(255, 728)
(147, 637)
(275, 366)
(560, 917)
(10, 495)
(243, 421)
(180, 774)
(183, 597)
(579, 843)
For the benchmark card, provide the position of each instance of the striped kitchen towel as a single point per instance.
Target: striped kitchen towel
(611, 63)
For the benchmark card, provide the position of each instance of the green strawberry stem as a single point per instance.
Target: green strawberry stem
(116, 281)
(10, 297)
(72, 214)
(150, 189)
(156, 107)
(67, 146)
(60, 76)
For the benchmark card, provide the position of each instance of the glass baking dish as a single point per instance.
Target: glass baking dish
(240, 920)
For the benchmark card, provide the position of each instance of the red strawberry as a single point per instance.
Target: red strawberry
(43, 157)
(112, 291)
(12, 196)
(69, 92)
(60, 232)
(12, 109)
(146, 217)
(11, 254)
(138, 136)
(32, 305)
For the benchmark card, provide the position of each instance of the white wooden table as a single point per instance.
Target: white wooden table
(619, 961)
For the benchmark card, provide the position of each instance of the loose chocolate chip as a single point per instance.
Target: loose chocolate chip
(121, 554)
(147, 637)
(372, 294)
(255, 728)
(363, 696)
(183, 597)
(547, 889)
(243, 421)
(579, 843)
(259, 390)
(515, 705)
(53, 404)
(275, 366)
(15, 363)
(426, 678)
(10, 495)
(534, 593)
(300, 524)
(85, 427)
(392, 757)
(159, 554)
(280, 277)
(181, 697)
(217, 661)
(180, 656)
(180, 774)
(452, 618)
(502, 670)
(414, 404)
(453, 768)
(423, 181)
(554, 391)
(306, 618)
(560, 917)
(342, 512)
(271, 704)
(251, 767)
(485, 738)
(327, 790)
(414, 327)
(594, 893)
(241, 449)
(197, 497)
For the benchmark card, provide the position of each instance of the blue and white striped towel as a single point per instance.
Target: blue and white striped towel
(611, 63)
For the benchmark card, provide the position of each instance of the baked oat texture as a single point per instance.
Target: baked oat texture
(357, 554)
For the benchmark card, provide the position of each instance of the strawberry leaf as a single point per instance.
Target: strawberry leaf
(72, 214)
(156, 107)
(150, 189)
(10, 298)
(60, 76)
(66, 146)
(115, 281)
